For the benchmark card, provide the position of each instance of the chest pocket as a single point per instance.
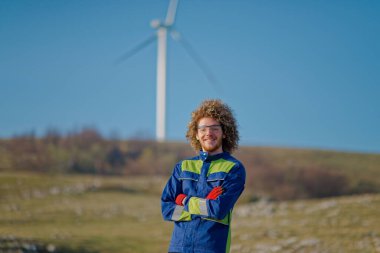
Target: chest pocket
(216, 179)
(189, 182)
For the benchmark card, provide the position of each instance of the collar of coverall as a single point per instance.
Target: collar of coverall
(206, 157)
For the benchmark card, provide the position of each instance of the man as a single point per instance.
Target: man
(202, 190)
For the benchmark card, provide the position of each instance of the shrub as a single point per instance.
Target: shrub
(320, 183)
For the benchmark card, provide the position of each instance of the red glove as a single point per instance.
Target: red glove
(179, 199)
(214, 193)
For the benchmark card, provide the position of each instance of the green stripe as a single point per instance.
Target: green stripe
(194, 166)
(225, 220)
(220, 165)
(228, 245)
(185, 216)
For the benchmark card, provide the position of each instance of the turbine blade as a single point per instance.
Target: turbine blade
(136, 49)
(197, 59)
(172, 9)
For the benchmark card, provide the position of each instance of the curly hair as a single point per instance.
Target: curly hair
(216, 109)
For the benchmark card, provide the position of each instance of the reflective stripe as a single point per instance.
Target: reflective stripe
(187, 178)
(203, 206)
(216, 179)
(180, 214)
(225, 220)
(198, 206)
(194, 166)
(220, 165)
(177, 213)
(217, 176)
(185, 216)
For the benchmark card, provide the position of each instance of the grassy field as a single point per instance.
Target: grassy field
(121, 214)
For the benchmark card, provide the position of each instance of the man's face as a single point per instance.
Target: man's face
(210, 135)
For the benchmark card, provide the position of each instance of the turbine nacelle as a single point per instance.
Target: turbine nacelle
(156, 24)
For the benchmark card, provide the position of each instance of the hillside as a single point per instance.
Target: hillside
(272, 173)
(97, 214)
(285, 173)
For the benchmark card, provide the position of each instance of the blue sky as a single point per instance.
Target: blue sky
(297, 73)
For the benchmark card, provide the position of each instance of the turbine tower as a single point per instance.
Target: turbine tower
(162, 34)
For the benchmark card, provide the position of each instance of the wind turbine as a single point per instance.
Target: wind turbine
(162, 28)
(162, 34)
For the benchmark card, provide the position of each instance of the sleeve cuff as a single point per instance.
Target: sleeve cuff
(197, 206)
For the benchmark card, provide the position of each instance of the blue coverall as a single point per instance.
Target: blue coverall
(202, 225)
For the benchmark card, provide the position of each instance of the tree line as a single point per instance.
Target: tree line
(274, 173)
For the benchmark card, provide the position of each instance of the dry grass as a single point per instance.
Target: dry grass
(346, 224)
(111, 214)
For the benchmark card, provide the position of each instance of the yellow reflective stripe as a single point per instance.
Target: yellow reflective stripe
(192, 166)
(225, 220)
(185, 216)
(220, 165)
(197, 206)
(180, 214)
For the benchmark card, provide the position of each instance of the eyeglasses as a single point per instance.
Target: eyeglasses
(213, 128)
